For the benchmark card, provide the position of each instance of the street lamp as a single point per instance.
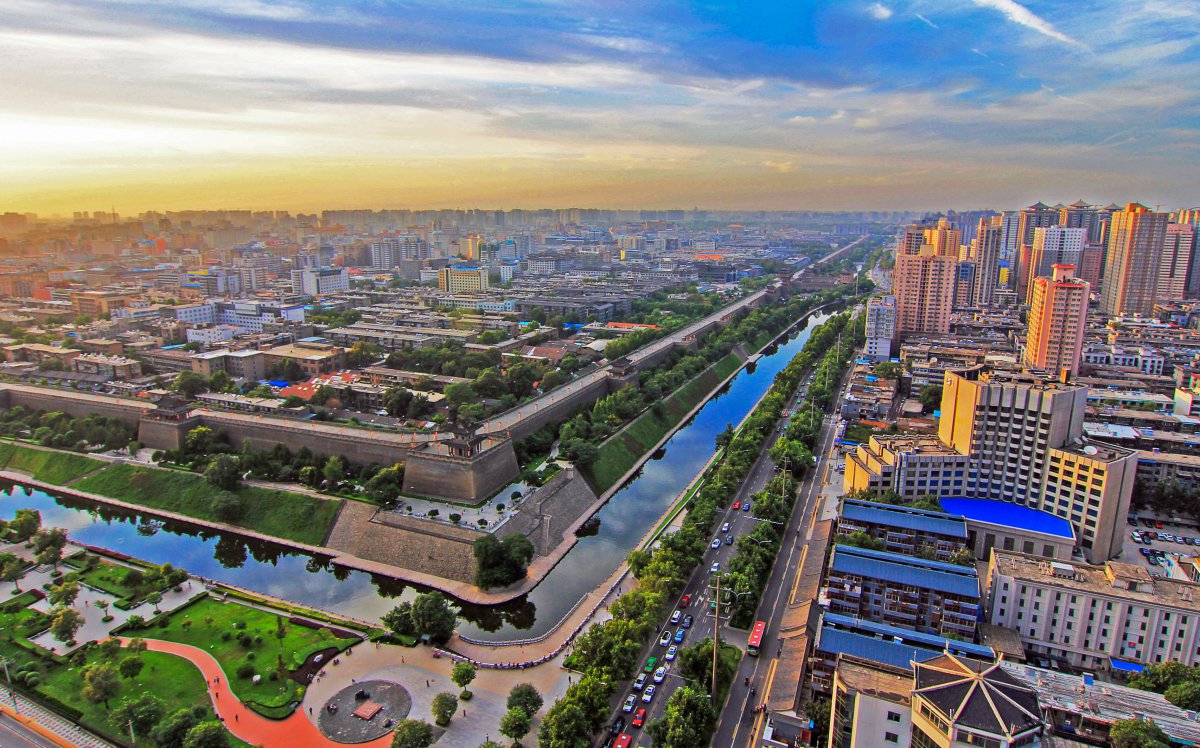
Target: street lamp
(11, 694)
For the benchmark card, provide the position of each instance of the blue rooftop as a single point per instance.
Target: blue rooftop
(900, 569)
(918, 638)
(887, 644)
(1126, 666)
(904, 517)
(1009, 515)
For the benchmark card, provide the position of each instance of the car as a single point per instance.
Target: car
(737, 505)
(725, 527)
(715, 567)
(746, 507)
(665, 639)
(1157, 525)
(676, 615)
(650, 665)
(639, 717)
(660, 675)
(1132, 521)
(671, 652)
(640, 682)
(1136, 538)
(685, 601)
(1153, 560)
(715, 544)
(728, 540)
(628, 705)
(687, 622)
(618, 726)
(648, 694)
(679, 636)
(1145, 551)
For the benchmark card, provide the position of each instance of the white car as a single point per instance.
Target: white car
(665, 639)
(629, 702)
(674, 650)
(660, 675)
(715, 544)
(715, 567)
(725, 527)
(648, 694)
(676, 616)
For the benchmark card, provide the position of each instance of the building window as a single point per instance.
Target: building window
(891, 737)
(893, 717)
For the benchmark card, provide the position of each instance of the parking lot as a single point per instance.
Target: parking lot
(1157, 544)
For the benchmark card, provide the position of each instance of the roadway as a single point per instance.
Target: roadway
(13, 734)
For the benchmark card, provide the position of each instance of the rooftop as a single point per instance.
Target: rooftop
(978, 695)
(1003, 513)
(908, 570)
(890, 684)
(939, 523)
(1168, 592)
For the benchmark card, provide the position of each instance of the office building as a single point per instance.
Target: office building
(1053, 245)
(463, 278)
(1134, 261)
(924, 285)
(1057, 318)
(881, 327)
(320, 281)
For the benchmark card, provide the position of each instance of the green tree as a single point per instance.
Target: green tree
(443, 708)
(220, 381)
(515, 724)
(25, 524)
(1185, 695)
(228, 507)
(334, 470)
(100, 683)
(565, 726)
(143, 713)
(386, 484)
(399, 619)
(412, 733)
(200, 441)
(55, 537)
(223, 472)
(687, 721)
(462, 674)
(171, 732)
(130, 667)
(65, 624)
(189, 384)
(460, 393)
(931, 397)
(432, 615)
(695, 664)
(1136, 733)
(210, 734)
(820, 711)
(363, 354)
(308, 475)
(11, 570)
(51, 555)
(64, 594)
(396, 401)
(525, 697)
(887, 370)
(861, 539)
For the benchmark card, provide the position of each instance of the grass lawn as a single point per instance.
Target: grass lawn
(205, 625)
(622, 451)
(51, 467)
(860, 433)
(278, 513)
(112, 578)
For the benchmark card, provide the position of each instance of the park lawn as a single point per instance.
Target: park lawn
(209, 619)
(49, 467)
(173, 679)
(113, 579)
(281, 514)
(621, 452)
(20, 624)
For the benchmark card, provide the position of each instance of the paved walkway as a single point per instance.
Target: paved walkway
(51, 722)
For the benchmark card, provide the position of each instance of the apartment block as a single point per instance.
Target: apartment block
(463, 278)
(1053, 245)
(881, 327)
(904, 530)
(924, 286)
(1134, 261)
(1057, 319)
(320, 281)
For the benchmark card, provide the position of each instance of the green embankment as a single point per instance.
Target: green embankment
(281, 514)
(620, 453)
(57, 468)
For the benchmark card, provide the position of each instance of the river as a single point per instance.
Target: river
(280, 572)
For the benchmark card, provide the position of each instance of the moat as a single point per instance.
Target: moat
(274, 570)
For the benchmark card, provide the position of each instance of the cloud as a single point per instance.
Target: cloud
(879, 11)
(1023, 16)
(783, 167)
(926, 21)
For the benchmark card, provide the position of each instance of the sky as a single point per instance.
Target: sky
(311, 104)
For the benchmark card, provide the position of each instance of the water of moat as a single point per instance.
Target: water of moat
(275, 570)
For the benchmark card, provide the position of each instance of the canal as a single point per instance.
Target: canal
(283, 573)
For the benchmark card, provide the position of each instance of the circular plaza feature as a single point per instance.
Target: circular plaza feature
(364, 711)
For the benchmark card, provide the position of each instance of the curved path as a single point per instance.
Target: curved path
(243, 722)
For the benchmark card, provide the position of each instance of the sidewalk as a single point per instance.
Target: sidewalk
(53, 723)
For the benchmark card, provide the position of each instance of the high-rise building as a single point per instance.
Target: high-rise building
(945, 238)
(1180, 275)
(1133, 265)
(881, 327)
(923, 285)
(1053, 245)
(1038, 215)
(1091, 265)
(1010, 244)
(1057, 317)
(1079, 215)
(985, 251)
(389, 252)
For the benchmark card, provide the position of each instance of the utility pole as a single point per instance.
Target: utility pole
(132, 739)
(716, 641)
(11, 694)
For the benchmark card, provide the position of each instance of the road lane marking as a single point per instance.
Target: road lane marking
(761, 717)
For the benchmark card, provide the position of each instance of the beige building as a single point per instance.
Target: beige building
(315, 359)
(1134, 262)
(985, 252)
(1093, 615)
(113, 367)
(924, 286)
(463, 279)
(1057, 318)
(1053, 245)
(246, 365)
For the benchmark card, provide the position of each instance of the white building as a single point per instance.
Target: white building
(320, 282)
(881, 327)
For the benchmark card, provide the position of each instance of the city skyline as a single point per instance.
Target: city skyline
(884, 105)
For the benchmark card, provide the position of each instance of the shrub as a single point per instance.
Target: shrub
(245, 670)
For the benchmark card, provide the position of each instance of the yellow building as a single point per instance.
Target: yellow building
(1057, 318)
(462, 278)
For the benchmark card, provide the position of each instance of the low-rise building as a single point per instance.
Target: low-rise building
(314, 358)
(112, 367)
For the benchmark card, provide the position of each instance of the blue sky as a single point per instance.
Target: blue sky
(889, 104)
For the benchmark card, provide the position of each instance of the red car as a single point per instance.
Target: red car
(685, 601)
(737, 505)
(639, 718)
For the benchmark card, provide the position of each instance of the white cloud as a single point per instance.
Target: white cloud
(1023, 16)
(926, 21)
(879, 11)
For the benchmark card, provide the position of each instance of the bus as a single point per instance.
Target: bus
(756, 637)
(623, 741)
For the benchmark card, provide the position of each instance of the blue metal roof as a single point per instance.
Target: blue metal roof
(1009, 515)
(905, 517)
(900, 569)
(875, 630)
(1126, 666)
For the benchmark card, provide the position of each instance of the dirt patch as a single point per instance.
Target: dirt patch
(304, 674)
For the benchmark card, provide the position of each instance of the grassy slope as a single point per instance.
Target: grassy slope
(622, 451)
(51, 467)
(208, 619)
(278, 513)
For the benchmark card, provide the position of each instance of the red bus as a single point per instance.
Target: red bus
(623, 741)
(760, 628)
